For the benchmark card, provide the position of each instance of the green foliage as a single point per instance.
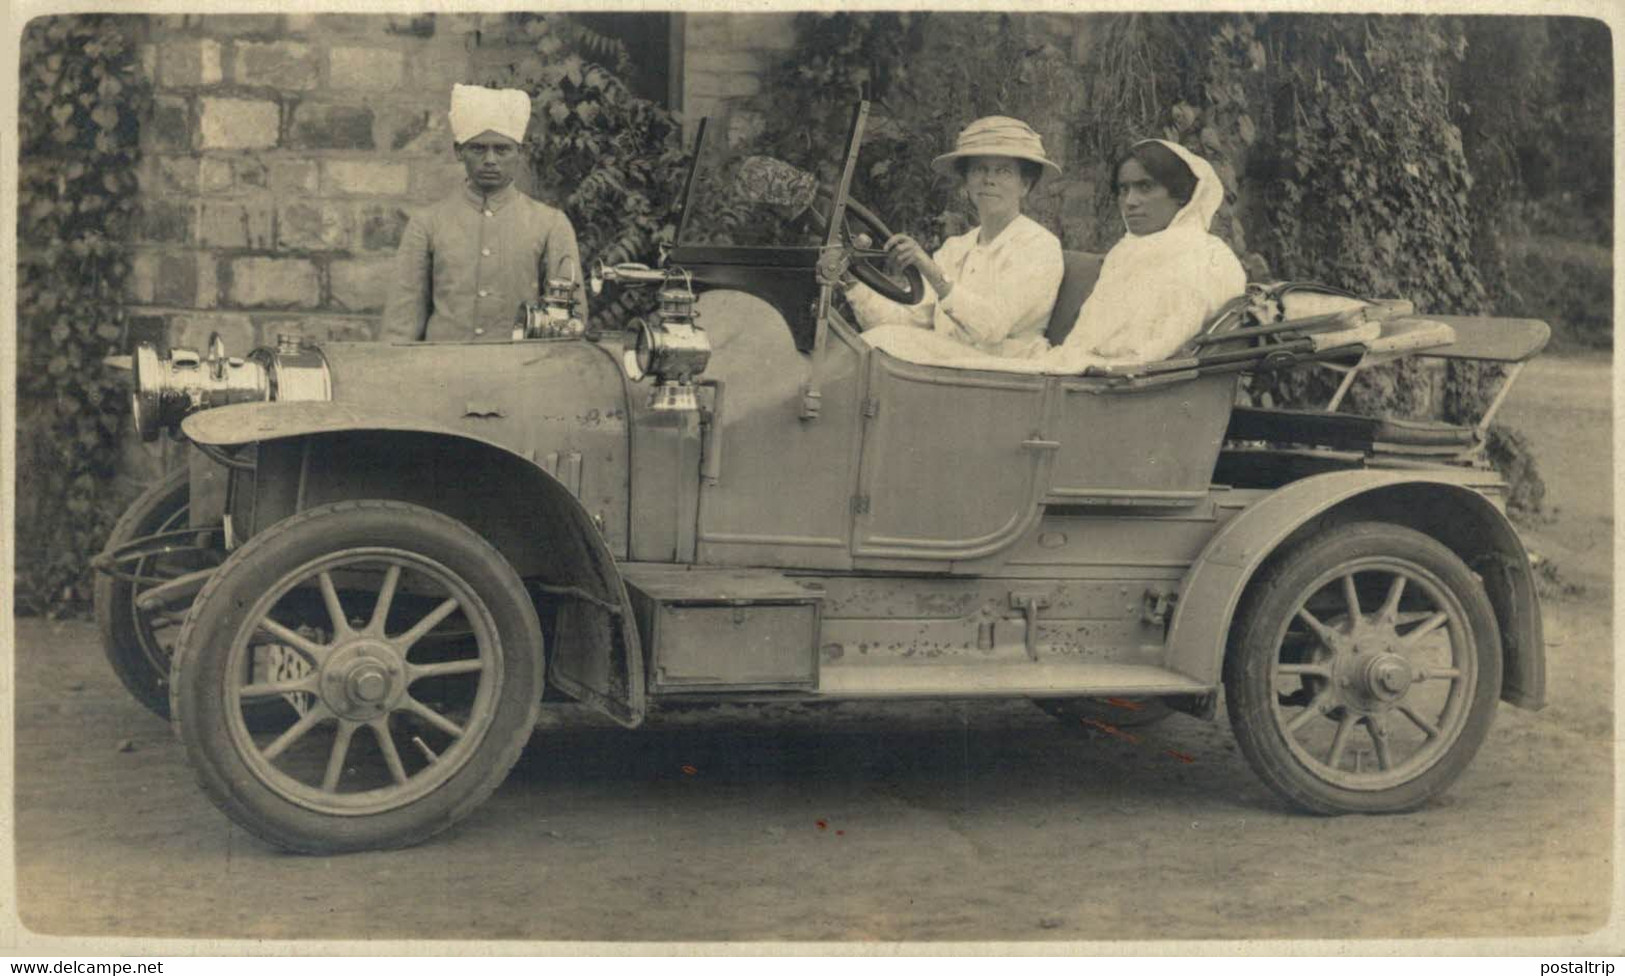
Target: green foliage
(1346, 144)
(1567, 283)
(612, 159)
(79, 108)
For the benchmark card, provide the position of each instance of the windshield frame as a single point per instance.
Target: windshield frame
(833, 236)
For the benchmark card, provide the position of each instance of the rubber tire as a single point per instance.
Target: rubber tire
(1249, 690)
(197, 704)
(1093, 710)
(115, 598)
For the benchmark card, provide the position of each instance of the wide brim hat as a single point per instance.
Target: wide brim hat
(997, 135)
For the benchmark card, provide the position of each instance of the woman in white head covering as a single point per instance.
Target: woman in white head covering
(466, 264)
(990, 290)
(1167, 277)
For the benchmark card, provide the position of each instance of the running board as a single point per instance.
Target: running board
(1033, 679)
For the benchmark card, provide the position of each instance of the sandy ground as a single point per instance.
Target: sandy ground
(943, 822)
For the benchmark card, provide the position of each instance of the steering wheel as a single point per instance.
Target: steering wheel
(870, 268)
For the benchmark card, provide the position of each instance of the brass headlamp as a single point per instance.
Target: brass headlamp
(556, 316)
(169, 387)
(671, 349)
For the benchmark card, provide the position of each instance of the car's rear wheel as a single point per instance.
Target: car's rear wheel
(1364, 671)
(412, 671)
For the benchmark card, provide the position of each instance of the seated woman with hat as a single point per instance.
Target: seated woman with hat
(990, 290)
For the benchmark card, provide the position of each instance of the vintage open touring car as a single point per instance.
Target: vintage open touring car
(383, 557)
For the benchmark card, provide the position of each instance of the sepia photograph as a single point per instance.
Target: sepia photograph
(744, 475)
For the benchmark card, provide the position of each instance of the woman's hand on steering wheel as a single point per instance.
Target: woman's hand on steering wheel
(906, 287)
(905, 252)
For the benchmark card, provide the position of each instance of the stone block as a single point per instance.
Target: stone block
(177, 174)
(381, 227)
(323, 125)
(215, 175)
(149, 63)
(412, 130)
(192, 331)
(186, 62)
(351, 23)
(360, 286)
(166, 222)
(291, 176)
(313, 225)
(364, 68)
(238, 123)
(432, 181)
(250, 173)
(774, 32)
(171, 123)
(703, 30)
(321, 327)
(141, 283)
(410, 25)
(721, 84)
(726, 61)
(237, 25)
(175, 282)
(435, 71)
(277, 64)
(364, 176)
(208, 280)
(271, 282)
(352, 328)
(235, 224)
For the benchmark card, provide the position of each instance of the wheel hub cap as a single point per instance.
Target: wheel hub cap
(1386, 677)
(362, 680)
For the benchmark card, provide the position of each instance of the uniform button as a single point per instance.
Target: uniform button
(479, 332)
(484, 293)
(485, 251)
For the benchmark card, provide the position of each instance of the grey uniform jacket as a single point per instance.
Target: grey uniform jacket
(466, 263)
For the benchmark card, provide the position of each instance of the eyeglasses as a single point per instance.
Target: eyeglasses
(476, 150)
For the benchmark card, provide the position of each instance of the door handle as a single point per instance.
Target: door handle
(1039, 444)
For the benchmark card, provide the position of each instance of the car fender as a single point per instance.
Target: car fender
(1442, 505)
(601, 663)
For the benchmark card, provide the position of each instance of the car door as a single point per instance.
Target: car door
(782, 490)
(952, 461)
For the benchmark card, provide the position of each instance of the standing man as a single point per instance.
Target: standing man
(466, 263)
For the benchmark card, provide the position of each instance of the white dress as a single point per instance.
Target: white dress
(1001, 300)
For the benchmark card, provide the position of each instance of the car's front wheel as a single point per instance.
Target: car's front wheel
(406, 657)
(1364, 671)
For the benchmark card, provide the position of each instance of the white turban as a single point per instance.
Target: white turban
(475, 109)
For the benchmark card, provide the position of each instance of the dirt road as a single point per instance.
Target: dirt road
(953, 822)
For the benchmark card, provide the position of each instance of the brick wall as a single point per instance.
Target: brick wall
(280, 164)
(283, 157)
(725, 57)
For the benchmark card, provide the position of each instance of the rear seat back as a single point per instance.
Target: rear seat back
(1082, 270)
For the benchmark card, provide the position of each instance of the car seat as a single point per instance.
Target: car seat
(1081, 271)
